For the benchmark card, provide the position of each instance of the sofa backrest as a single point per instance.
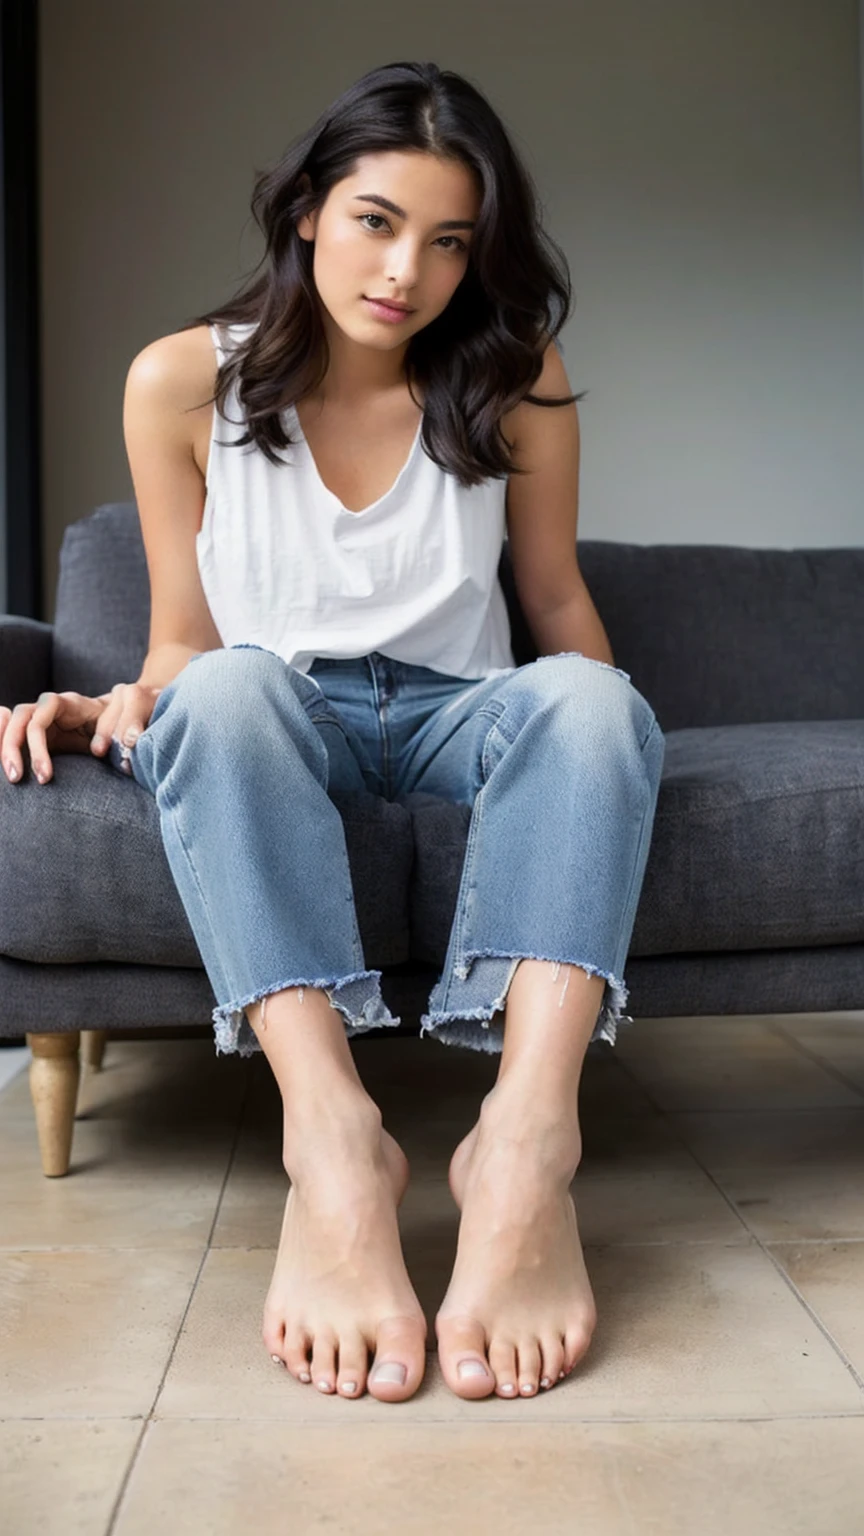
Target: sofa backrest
(711, 634)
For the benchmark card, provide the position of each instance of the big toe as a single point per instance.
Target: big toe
(462, 1354)
(400, 1359)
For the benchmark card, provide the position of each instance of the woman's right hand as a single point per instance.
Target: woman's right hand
(72, 722)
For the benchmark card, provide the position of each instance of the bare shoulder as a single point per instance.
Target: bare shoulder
(176, 376)
(534, 431)
(181, 367)
(519, 423)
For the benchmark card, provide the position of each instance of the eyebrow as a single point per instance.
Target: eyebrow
(383, 202)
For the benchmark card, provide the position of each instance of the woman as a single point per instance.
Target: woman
(324, 469)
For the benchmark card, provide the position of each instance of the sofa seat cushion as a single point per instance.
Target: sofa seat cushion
(758, 843)
(84, 876)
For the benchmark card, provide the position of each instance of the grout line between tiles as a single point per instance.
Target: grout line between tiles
(617, 1418)
(760, 1109)
(787, 1279)
(826, 1066)
(836, 1346)
(765, 1022)
(133, 1459)
(814, 1242)
(545, 1423)
(659, 1242)
(678, 1137)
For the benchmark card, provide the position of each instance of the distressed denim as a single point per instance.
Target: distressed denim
(560, 761)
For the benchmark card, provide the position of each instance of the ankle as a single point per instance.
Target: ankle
(547, 1129)
(319, 1128)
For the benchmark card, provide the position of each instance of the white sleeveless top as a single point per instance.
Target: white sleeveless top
(285, 566)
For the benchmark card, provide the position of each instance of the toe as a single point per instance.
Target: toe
(273, 1334)
(576, 1344)
(502, 1359)
(323, 1366)
(400, 1359)
(353, 1365)
(295, 1353)
(529, 1367)
(551, 1362)
(462, 1353)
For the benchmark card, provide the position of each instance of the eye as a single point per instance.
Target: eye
(459, 245)
(379, 216)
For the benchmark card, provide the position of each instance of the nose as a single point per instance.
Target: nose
(403, 267)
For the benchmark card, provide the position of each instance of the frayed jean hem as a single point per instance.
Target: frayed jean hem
(475, 1029)
(358, 998)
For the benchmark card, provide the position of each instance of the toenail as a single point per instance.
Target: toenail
(304, 1376)
(324, 1386)
(528, 1388)
(349, 1386)
(470, 1368)
(277, 1360)
(508, 1387)
(545, 1381)
(392, 1372)
(560, 1375)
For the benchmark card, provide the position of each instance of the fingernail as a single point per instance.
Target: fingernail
(12, 770)
(131, 736)
(391, 1372)
(470, 1368)
(98, 741)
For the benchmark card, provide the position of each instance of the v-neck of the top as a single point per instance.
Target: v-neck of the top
(361, 511)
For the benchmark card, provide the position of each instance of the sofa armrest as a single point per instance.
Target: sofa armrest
(26, 651)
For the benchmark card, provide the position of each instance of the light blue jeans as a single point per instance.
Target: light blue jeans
(560, 761)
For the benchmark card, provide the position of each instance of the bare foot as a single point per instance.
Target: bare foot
(519, 1307)
(340, 1289)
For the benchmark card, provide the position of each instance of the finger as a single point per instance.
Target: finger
(13, 740)
(105, 728)
(134, 716)
(121, 721)
(9, 767)
(43, 714)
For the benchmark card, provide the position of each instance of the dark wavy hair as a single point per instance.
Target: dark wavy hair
(478, 358)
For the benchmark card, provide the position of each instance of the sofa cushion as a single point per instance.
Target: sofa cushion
(710, 634)
(758, 843)
(84, 875)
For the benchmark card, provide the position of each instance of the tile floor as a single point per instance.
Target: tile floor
(721, 1203)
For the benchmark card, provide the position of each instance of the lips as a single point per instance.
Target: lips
(404, 309)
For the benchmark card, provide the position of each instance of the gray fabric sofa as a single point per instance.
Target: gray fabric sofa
(753, 897)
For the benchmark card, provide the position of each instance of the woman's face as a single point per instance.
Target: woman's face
(366, 251)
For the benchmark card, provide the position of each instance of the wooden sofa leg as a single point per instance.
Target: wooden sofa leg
(54, 1074)
(93, 1048)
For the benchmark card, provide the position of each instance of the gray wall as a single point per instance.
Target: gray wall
(699, 161)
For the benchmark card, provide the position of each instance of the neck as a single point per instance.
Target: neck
(357, 375)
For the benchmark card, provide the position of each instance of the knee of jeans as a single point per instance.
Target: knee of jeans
(571, 678)
(228, 672)
(575, 682)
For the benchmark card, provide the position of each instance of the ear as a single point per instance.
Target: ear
(307, 222)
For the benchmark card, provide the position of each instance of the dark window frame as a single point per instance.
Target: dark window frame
(21, 548)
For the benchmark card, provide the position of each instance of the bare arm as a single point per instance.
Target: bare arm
(164, 380)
